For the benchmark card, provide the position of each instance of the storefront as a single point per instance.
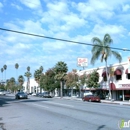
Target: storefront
(123, 92)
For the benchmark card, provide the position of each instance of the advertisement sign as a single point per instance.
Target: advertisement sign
(83, 62)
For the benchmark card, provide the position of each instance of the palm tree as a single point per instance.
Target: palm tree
(12, 84)
(16, 67)
(28, 75)
(60, 70)
(41, 69)
(28, 68)
(21, 80)
(5, 67)
(102, 48)
(2, 72)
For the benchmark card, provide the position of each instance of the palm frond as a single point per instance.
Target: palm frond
(117, 55)
(95, 55)
(96, 40)
(107, 40)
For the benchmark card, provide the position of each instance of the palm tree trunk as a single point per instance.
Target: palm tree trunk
(5, 75)
(29, 85)
(61, 94)
(108, 81)
(2, 76)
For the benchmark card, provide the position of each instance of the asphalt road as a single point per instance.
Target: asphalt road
(59, 114)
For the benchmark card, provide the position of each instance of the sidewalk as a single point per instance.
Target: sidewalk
(102, 101)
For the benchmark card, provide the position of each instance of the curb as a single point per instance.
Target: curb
(121, 103)
(107, 102)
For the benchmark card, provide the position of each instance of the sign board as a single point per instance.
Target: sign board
(83, 62)
(124, 86)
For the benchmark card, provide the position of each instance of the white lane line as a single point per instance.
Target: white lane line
(60, 104)
(40, 105)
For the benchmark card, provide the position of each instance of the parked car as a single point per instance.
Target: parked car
(34, 94)
(41, 94)
(2, 92)
(21, 95)
(91, 98)
(30, 93)
(46, 94)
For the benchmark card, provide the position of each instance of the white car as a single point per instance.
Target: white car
(2, 93)
(33, 94)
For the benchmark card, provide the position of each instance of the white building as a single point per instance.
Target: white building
(119, 77)
(33, 86)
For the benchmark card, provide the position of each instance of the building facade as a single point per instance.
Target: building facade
(33, 87)
(118, 77)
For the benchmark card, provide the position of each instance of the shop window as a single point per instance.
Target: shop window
(128, 76)
(105, 78)
(118, 77)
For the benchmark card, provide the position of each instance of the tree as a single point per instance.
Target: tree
(21, 80)
(2, 72)
(28, 68)
(82, 79)
(60, 70)
(16, 67)
(28, 75)
(37, 75)
(47, 81)
(102, 48)
(72, 80)
(41, 69)
(12, 84)
(92, 80)
(5, 67)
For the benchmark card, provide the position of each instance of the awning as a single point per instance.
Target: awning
(117, 72)
(126, 71)
(104, 74)
(112, 86)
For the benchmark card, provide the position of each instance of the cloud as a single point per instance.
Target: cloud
(35, 4)
(94, 8)
(16, 6)
(111, 29)
(126, 8)
(1, 5)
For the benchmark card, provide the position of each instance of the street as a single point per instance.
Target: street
(59, 114)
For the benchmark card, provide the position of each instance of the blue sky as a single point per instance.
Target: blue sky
(77, 20)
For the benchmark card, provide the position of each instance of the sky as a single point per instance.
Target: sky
(75, 20)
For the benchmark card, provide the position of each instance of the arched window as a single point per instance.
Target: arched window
(118, 74)
(128, 73)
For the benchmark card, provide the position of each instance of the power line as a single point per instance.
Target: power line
(64, 40)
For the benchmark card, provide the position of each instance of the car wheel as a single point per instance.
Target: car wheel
(90, 100)
(83, 100)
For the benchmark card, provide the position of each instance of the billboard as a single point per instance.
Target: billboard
(83, 62)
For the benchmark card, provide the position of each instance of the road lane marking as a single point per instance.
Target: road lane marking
(60, 104)
(40, 105)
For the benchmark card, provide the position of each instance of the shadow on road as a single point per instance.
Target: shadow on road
(6, 100)
(100, 127)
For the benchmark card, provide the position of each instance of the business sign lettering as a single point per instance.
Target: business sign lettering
(82, 62)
